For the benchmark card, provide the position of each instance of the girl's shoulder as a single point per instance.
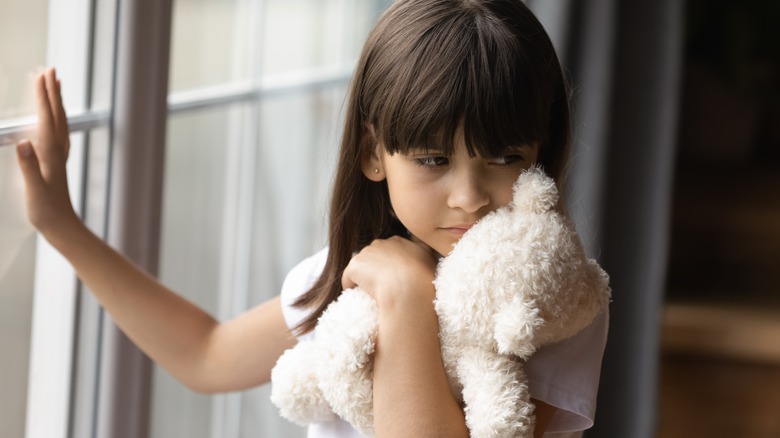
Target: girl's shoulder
(298, 281)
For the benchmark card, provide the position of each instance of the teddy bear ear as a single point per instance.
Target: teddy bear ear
(534, 191)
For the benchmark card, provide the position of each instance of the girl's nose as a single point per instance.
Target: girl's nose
(469, 192)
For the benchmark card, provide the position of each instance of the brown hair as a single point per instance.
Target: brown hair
(428, 69)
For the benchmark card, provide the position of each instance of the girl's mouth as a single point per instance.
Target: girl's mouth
(458, 229)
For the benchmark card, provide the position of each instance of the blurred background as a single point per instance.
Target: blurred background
(674, 185)
(720, 373)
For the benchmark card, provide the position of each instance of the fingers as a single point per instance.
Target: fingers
(391, 261)
(55, 103)
(53, 143)
(46, 126)
(53, 122)
(62, 117)
(43, 164)
(28, 163)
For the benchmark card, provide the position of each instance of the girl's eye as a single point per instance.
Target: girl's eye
(435, 161)
(507, 160)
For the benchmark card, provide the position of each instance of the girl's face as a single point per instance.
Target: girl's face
(438, 198)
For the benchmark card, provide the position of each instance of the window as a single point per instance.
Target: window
(17, 239)
(256, 90)
(39, 290)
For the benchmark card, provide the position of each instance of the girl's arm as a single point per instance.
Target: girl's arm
(185, 340)
(411, 394)
(543, 413)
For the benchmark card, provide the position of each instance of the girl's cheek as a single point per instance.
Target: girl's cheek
(502, 191)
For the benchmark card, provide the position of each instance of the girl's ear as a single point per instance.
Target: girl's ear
(371, 160)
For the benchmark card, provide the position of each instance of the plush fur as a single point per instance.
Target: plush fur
(519, 279)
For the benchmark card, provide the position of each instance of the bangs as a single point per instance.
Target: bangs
(456, 73)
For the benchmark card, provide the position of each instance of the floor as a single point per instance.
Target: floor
(703, 396)
(720, 373)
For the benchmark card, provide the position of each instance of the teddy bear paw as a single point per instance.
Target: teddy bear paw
(295, 390)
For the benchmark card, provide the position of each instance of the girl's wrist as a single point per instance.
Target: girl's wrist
(406, 299)
(61, 233)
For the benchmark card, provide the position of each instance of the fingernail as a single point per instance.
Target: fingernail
(24, 148)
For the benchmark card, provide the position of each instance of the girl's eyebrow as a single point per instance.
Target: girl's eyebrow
(515, 148)
(520, 147)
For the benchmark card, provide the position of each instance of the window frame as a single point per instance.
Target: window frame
(136, 120)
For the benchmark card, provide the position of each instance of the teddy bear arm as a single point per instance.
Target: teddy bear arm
(347, 333)
(516, 328)
(294, 388)
(495, 392)
(331, 372)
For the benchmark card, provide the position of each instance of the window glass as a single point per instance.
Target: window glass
(314, 34)
(28, 42)
(103, 54)
(298, 141)
(17, 238)
(299, 136)
(86, 351)
(17, 271)
(246, 184)
(221, 192)
(20, 20)
(302, 34)
(211, 42)
(201, 171)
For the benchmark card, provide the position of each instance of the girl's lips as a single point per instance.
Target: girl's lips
(458, 229)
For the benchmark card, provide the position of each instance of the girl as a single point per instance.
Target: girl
(450, 101)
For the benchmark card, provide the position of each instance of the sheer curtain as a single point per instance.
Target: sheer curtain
(246, 179)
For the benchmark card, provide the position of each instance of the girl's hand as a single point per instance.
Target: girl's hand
(391, 270)
(43, 163)
(412, 396)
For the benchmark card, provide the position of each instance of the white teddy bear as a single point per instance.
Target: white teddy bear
(517, 280)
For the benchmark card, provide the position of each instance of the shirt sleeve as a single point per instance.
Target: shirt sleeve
(566, 375)
(298, 281)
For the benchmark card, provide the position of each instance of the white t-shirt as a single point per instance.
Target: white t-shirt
(564, 375)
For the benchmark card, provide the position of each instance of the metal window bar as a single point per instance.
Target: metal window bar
(15, 129)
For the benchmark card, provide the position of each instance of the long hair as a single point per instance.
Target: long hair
(429, 70)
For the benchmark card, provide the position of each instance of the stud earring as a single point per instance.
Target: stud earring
(376, 170)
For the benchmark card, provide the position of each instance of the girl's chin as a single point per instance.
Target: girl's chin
(430, 248)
